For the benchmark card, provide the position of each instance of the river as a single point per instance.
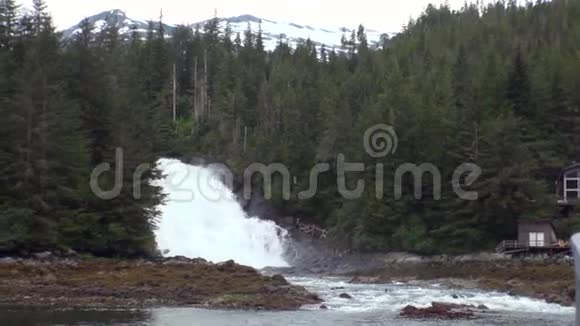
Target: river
(371, 305)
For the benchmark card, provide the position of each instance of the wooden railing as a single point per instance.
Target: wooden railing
(509, 245)
(505, 245)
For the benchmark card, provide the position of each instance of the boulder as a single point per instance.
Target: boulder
(50, 278)
(444, 305)
(42, 255)
(312, 296)
(226, 265)
(323, 307)
(571, 292)
(442, 310)
(364, 280)
(345, 296)
(7, 261)
(433, 312)
(70, 262)
(181, 260)
(269, 289)
(514, 283)
(71, 254)
(557, 299)
(279, 280)
(199, 261)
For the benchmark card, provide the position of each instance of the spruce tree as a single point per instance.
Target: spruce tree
(8, 22)
(519, 90)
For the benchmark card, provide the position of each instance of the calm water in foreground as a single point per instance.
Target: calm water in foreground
(372, 305)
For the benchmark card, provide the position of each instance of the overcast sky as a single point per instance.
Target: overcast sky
(384, 15)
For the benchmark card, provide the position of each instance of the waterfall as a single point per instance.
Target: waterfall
(201, 218)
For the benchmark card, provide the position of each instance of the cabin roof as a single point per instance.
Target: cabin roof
(537, 222)
(575, 166)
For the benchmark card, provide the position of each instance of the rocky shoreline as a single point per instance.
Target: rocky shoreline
(104, 284)
(47, 281)
(546, 280)
(541, 277)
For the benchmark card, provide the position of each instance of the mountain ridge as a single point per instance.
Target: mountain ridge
(272, 31)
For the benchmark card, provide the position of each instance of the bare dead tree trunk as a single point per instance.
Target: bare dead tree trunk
(43, 128)
(201, 100)
(174, 94)
(576, 139)
(245, 138)
(195, 92)
(205, 84)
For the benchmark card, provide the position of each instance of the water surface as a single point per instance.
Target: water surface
(371, 305)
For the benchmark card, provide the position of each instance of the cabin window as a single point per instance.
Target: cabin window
(570, 194)
(537, 239)
(572, 185)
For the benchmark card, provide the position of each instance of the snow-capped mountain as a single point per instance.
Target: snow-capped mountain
(117, 18)
(272, 31)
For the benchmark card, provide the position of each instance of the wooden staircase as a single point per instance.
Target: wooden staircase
(510, 247)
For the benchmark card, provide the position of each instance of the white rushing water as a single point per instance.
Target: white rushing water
(395, 296)
(379, 305)
(201, 218)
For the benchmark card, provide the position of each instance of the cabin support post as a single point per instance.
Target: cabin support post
(576, 250)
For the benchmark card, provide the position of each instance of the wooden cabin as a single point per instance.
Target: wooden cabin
(536, 234)
(535, 237)
(568, 186)
(539, 237)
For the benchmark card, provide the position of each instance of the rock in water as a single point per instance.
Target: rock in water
(345, 296)
(364, 280)
(441, 310)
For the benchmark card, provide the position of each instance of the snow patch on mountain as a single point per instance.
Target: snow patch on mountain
(272, 31)
(293, 33)
(117, 18)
